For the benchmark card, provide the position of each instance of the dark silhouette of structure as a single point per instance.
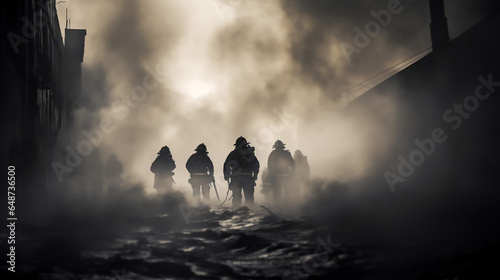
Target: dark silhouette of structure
(281, 168)
(74, 40)
(241, 169)
(444, 137)
(463, 75)
(439, 25)
(34, 83)
(302, 173)
(201, 169)
(162, 167)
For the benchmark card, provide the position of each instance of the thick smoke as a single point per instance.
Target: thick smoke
(180, 73)
(225, 75)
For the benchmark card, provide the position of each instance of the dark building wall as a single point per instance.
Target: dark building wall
(74, 49)
(34, 87)
(455, 182)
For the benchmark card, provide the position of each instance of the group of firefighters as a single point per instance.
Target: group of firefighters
(284, 177)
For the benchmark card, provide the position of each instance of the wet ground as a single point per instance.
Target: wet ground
(220, 243)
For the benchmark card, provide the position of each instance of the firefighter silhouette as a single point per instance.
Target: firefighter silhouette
(162, 167)
(281, 168)
(302, 173)
(201, 169)
(241, 169)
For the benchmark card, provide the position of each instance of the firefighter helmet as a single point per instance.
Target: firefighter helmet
(279, 145)
(241, 142)
(164, 151)
(201, 148)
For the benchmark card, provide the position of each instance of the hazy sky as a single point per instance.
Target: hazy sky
(221, 69)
